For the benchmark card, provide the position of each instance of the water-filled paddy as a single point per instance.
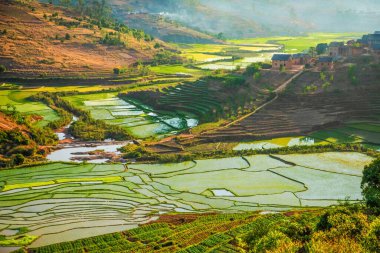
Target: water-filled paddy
(90, 198)
(279, 142)
(140, 120)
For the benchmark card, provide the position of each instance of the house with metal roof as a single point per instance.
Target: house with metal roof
(301, 59)
(325, 63)
(280, 61)
(336, 49)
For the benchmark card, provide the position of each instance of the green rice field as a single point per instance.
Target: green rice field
(299, 44)
(82, 200)
(140, 120)
(19, 98)
(229, 56)
(365, 133)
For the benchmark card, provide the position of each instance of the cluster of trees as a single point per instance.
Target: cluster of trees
(113, 39)
(345, 228)
(98, 13)
(139, 69)
(166, 57)
(371, 186)
(21, 144)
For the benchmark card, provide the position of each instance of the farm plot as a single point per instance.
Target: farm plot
(279, 142)
(140, 120)
(361, 132)
(59, 202)
(18, 98)
(299, 44)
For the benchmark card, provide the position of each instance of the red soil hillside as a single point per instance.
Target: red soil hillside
(35, 45)
(7, 124)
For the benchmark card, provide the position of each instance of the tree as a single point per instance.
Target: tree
(18, 159)
(220, 36)
(2, 69)
(67, 36)
(371, 185)
(313, 52)
(116, 71)
(81, 5)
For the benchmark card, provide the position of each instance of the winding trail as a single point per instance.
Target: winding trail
(277, 91)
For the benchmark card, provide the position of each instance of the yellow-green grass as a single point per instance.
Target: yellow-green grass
(301, 43)
(281, 142)
(63, 180)
(210, 52)
(18, 240)
(68, 88)
(176, 69)
(78, 100)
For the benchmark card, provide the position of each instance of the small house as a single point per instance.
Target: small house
(280, 61)
(335, 49)
(301, 59)
(376, 50)
(325, 63)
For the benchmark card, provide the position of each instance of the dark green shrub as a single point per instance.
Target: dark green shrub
(2, 69)
(18, 159)
(371, 185)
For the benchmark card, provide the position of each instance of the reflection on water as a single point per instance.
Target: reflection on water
(70, 153)
(222, 193)
(276, 143)
(140, 120)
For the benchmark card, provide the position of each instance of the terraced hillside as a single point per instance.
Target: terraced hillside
(81, 200)
(300, 111)
(214, 98)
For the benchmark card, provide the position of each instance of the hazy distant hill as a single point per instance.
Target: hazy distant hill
(247, 18)
(151, 17)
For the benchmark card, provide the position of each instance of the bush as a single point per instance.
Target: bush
(67, 36)
(342, 222)
(2, 69)
(372, 240)
(274, 240)
(371, 185)
(18, 159)
(116, 71)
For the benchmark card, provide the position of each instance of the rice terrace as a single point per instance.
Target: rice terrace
(189, 126)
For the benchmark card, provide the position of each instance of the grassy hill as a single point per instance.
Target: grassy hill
(44, 40)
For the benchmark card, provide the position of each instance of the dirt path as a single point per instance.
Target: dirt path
(279, 89)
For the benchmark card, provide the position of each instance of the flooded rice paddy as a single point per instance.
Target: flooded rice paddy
(81, 200)
(140, 120)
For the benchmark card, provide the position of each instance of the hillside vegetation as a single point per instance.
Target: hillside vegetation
(44, 40)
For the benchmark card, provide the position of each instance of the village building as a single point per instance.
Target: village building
(375, 50)
(325, 63)
(370, 40)
(336, 49)
(301, 59)
(355, 51)
(280, 61)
